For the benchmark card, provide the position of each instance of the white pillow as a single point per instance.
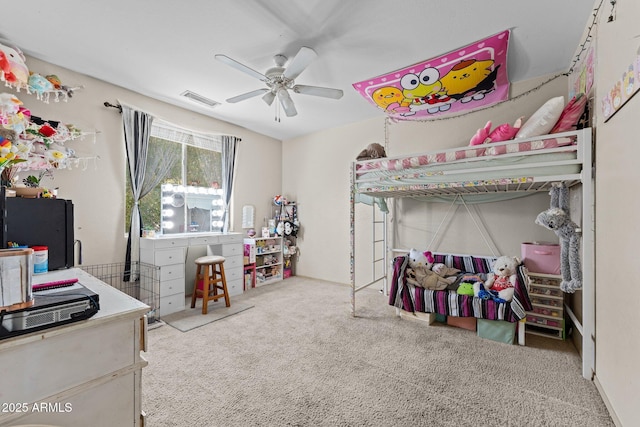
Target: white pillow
(543, 120)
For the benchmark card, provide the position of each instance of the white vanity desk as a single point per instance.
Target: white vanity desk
(175, 254)
(82, 373)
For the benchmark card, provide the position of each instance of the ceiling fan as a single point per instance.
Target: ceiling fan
(280, 80)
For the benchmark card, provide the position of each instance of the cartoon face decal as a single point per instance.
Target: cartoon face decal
(465, 76)
(419, 86)
(387, 95)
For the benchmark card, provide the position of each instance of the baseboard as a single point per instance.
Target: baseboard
(607, 403)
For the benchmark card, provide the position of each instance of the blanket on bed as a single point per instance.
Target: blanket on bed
(448, 302)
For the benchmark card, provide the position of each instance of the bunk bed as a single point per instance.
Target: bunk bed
(491, 171)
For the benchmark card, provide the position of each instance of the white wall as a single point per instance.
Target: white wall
(98, 191)
(617, 205)
(316, 174)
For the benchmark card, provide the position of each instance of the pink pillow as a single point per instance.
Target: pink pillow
(571, 114)
(505, 132)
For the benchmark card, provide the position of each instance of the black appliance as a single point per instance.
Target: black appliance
(46, 222)
(52, 307)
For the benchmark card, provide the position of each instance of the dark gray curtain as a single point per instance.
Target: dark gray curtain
(137, 128)
(229, 147)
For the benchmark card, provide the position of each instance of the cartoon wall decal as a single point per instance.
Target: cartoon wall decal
(471, 77)
(622, 90)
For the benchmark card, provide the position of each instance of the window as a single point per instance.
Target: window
(187, 169)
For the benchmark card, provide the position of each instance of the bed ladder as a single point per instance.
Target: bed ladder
(379, 249)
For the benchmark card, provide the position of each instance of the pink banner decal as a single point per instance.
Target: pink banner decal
(466, 79)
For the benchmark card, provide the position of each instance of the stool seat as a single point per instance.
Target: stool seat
(210, 281)
(209, 259)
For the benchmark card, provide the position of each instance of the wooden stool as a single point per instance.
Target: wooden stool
(212, 279)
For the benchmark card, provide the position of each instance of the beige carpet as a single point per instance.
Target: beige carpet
(298, 358)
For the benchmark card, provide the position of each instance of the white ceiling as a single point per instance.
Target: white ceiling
(161, 48)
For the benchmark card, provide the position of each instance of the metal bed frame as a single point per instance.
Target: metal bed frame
(583, 149)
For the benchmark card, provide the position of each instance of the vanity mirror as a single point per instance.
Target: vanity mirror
(191, 209)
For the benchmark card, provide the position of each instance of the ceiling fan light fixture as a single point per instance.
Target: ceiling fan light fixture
(269, 97)
(287, 102)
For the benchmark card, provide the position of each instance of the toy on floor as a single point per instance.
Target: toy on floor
(557, 219)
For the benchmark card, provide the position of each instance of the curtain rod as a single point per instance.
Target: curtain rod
(119, 108)
(110, 105)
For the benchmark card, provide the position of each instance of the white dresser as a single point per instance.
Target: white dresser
(83, 373)
(175, 255)
(169, 254)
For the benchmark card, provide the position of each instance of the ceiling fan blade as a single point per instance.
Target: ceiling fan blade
(299, 62)
(287, 103)
(269, 97)
(247, 95)
(241, 67)
(318, 91)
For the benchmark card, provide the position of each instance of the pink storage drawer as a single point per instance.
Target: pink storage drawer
(541, 257)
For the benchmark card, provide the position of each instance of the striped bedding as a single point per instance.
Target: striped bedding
(446, 156)
(448, 302)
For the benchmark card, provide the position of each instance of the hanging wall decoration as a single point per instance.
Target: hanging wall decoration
(623, 89)
(471, 77)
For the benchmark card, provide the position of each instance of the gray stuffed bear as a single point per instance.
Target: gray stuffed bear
(557, 219)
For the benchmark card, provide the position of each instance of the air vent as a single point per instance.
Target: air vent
(199, 98)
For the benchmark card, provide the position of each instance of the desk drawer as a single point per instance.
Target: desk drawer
(169, 272)
(234, 287)
(233, 273)
(231, 238)
(169, 243)
(169, 256)
(76, 355)
(171, 304)
(172, 287)
(232, 262)
(231, 249)
(204, 240)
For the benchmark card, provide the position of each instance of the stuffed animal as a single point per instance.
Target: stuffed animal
(467, 282)
(557, 219)
(423, 259)
(423, 277)
(40, 85)
(501, 282)
(443, 271)
(372, 151)
(504, 132)
(14, 69)
(465, 288)
(482, 135)
(9, 104)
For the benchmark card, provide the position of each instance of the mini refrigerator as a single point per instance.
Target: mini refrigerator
(46, 222)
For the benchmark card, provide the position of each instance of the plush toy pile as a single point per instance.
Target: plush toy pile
(31, 143)
(557, 219)
(15, 74)
(422, 271)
